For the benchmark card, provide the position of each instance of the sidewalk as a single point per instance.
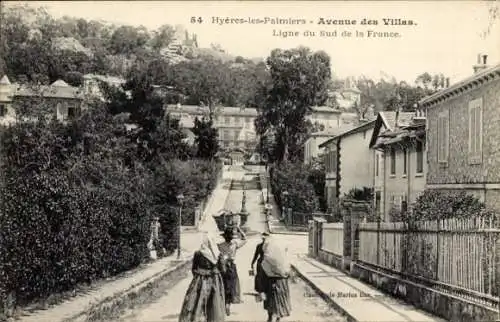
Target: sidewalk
(106, 291)
(358, 301)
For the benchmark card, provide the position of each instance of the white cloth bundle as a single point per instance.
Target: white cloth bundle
(275, 263)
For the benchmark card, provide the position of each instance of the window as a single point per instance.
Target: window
(443, 137)
(420, 157)
(378, 203)
(405, 166)
(71, 112)
(393, 161)
(59, 112)
(3, 110)
(404, 203)
(377, 162)
(227, 120)
(475, 131)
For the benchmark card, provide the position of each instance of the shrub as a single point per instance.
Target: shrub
(435, 204)
(293, 178)
(77, 203)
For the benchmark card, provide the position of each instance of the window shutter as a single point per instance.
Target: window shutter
(475, 131)
(447, 138)
(440, 138)
(472, 130)
(478, 127)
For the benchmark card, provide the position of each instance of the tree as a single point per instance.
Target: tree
(206, 138)
(299, 80)
(204, 80)
(163, 37)
(127, 39)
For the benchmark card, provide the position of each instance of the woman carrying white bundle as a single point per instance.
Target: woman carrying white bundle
(276, 269)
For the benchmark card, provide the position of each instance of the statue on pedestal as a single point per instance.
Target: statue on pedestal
(243, 202)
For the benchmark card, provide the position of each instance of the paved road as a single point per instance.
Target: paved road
(304, 308)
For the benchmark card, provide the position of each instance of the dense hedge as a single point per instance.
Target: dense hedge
(436, 204)
(76, 208)
(294, 178)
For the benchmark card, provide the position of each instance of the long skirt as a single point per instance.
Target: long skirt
(204, 300)
(259, 280)
(277, 293)
(231, 283)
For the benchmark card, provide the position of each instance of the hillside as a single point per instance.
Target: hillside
(109, 48)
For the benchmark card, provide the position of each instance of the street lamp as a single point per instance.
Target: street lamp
(268, 177)
(180, 200)
(285, 197)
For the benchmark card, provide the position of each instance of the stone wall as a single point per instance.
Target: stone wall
(429, 297)
(458, 169)
(439, 303)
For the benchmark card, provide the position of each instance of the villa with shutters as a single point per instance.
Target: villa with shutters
(463, 135)
(398, 150)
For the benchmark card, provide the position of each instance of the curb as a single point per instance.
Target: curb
(324, 295)
(117, 302)
(289, 233)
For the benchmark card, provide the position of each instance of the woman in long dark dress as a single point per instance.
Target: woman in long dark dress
(228, 248)
(276, 271)
(258, 257)
(204, 300)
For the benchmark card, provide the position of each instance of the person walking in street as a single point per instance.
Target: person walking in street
(228, 249)
(276, 270)
(259, 257)
(204, 300)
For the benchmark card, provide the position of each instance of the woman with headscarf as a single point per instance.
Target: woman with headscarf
(276, 270)
(204, 300)
(228, 249)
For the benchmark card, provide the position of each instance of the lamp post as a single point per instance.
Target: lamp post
(180, 200)
(285, 197)
(268, 177)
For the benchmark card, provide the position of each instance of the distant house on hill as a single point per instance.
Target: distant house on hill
(58, 100)
(70, 44)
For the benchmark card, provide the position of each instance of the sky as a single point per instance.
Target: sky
(445, 37)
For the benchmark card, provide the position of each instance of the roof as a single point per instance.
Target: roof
(224, 110)
(56, 90)
(354, 130)
(105, 78)
(469, 83)
(408, 125)
(402, 135)
(60, 83)
(333, 131)
(4, 80)
(325, 109)
(389, 117)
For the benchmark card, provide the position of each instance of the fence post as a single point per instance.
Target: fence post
(378, 239)
(438, 228)
(345, 210)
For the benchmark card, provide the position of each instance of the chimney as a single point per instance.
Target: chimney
(447, 82)
(481, 63)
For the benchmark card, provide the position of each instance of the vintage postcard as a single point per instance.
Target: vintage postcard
(249, 161)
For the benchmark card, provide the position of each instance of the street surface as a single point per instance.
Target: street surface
(305, 305)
